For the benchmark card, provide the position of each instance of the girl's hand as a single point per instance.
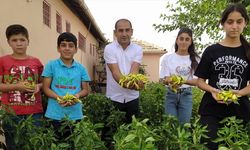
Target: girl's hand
(166, 80)
(237, 92)
(214, 93)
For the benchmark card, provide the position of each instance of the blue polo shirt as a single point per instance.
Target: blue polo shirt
(64, 80)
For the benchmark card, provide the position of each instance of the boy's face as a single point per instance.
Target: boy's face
(18, 43)
(67, 50)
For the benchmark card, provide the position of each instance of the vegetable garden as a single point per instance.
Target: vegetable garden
(102, 128)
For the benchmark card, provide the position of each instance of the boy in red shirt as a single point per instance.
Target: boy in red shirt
(20, 81)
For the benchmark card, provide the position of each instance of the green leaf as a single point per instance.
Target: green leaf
(130, 137)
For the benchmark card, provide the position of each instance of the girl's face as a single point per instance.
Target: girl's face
(234, 25)
(183, 41)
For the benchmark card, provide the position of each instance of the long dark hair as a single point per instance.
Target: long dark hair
(191, 48)
(238, 7)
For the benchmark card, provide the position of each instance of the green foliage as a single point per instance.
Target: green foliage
(174, 136)
(4, 116)
(30, 137)
(233, 135)
(142, 70)
(152, 103)
(152, 130)
(135, 136)
(98, 108)
(197, 96)
(84, 136)
(202, 17)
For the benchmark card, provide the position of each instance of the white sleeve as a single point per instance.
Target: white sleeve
(139, 55)
(109, 56)
(163, 70)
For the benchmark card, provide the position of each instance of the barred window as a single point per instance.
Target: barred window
(68, 26)
(81, 42)
(90, 49)
(46, 13)
(58, 23)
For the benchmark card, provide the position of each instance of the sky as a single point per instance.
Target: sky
(142, 13)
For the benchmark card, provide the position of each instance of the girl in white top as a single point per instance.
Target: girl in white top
(183, 63)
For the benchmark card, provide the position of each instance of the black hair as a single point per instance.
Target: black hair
(191, 48)
(242, 10)
(16, 29)
(66, 36)
(123, 20)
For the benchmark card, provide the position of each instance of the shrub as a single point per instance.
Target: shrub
(174, 136)
(233, 134)
(135, 136)
(152, 103)
(197, 96)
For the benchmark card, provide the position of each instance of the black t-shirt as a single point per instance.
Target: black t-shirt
(225, 68)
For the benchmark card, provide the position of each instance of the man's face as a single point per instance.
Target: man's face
(123, 33)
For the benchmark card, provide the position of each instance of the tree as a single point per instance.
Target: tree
(202, 16)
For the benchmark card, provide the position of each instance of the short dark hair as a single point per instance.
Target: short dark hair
(122, 20)
(66, 36)
(16, 29)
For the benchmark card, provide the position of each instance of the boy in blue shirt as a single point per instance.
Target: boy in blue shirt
(62, 76)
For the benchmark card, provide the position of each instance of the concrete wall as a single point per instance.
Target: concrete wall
(43, 38)
(151, 62)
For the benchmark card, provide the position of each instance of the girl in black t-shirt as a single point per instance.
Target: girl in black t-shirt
(226, 66)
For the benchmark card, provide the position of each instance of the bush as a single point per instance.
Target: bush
(174, 136)
(135, 136)
(100, 109)
(152, 103)
(197, 96)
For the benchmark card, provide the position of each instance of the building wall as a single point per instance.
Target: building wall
(151, 62)
(43, 38)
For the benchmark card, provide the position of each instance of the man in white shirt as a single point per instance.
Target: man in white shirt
(122, 58)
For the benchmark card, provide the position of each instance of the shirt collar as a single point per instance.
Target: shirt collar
(118, 45)
(62, 63)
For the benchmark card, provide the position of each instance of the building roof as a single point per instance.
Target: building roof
(80, 9)
(149, 47)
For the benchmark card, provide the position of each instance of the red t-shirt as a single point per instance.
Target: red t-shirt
(13, 70)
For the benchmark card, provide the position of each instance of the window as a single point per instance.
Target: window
(93, 49)
(58, 23)
(46, 13)
(81, 42)
(90, 49)
(68, 27)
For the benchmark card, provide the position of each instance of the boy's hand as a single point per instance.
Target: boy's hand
(22, 87)
(37, 88)
(68, 100)
(68, 103)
